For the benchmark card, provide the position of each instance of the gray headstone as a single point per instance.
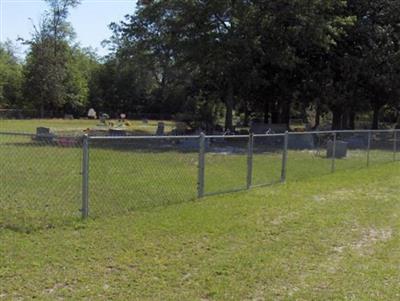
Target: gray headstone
(43, 134)
(103, 118)
(160, 129)
(42, 131)
(340, 150)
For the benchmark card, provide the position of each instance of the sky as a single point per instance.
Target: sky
(90, 19)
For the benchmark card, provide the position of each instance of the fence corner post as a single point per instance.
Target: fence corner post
(201, 166)
(85, 177)
(250, 161)
(394, 144)
(333, 166)
(284, 157)
(369, 147)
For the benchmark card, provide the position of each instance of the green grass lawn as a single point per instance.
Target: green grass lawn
(77, 125)
(332, 237)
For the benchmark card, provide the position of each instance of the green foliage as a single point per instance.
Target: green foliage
(56, 73)
(264, 57)
(272, 59)
(10, 76)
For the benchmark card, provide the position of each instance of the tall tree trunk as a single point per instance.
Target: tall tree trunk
(274, 112)
(42, 111)
(229, 108)
(266, 111)
(345, 121)
(336, 119)
(317, 114)
(286, 113)
(375, 118)
(352, 119)
(246, 114)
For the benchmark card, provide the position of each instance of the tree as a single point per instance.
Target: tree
(234, 48)
(53, 80)
(10, 76)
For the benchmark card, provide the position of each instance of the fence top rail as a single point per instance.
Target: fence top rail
(141, 137)
(345, 131)
(181, 137)
(270, 135)
(227, 136)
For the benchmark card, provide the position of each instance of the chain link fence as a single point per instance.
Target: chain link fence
(40, 179)
(50, 179)
(137, 172)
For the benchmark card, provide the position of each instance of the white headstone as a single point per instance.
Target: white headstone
(92, 113)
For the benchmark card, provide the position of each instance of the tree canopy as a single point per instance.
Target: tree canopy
(209, 61)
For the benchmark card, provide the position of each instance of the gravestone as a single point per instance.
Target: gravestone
(92, 114)
(43, 134)
(160, 129)
(42, 131)
(103, 118)
(340, 149)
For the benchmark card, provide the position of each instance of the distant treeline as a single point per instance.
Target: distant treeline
(207, 61)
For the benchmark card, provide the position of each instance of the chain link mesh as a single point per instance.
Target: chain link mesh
(40, 179)
(41, 175)
(307, 155)
(128, 174)
(356, 155)
(267, 159)
(382, 147)
(225, 164)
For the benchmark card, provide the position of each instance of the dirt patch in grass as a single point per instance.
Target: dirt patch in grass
(369, 238)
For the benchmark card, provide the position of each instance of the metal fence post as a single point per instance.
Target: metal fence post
(250, 161)
(369, 147)
(394, 145)
(85, 177)
(284, 157)
(201, 166)
(333, 167)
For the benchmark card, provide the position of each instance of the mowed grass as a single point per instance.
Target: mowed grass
(332, 237)
(41, 183)
(78, 125)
